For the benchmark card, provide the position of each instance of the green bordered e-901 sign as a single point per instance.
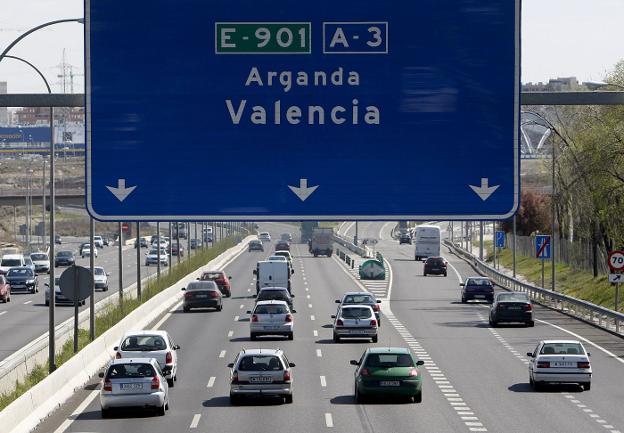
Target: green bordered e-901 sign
(262, 38)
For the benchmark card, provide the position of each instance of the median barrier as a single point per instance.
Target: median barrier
(27, 411)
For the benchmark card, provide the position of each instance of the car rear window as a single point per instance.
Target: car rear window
(512, 297)
(39, 257)
(562, 349)
(20, 273)
(127, 371)
(388, 360)
(203, 285)
(64, 254)
(260, 363)
(356, 313)
(142, 343)
(478, 282)
(436, 261)
(98, 271)
(359, 299)
(267, 295)
(271, 309)
(208, 276)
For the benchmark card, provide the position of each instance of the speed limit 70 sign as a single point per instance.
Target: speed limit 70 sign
(616, 261)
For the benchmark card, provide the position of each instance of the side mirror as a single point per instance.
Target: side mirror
(291, 364)
(530, 354)
(197, 278)
(292, 295)
(101, 374)
(354, 362)
(293, 311)
(183, 288)
(46, 284)
(588, 354)
(108, 274)
(379, 301)
(116, 348)
(420, 362)
(248, 311)
(229, 277)
(461, 284)
(176, 347)
(255, 272)
(230, 365)
(337, 301)
(333, 316)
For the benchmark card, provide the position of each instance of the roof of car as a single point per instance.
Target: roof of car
(261, 352)
(346, 306)
(282, 251)
(388, 350)
(272, 302)
(273, 288)
(146, 332)
(357, 293)
(12, 256)
(560, 341)
(131, 360)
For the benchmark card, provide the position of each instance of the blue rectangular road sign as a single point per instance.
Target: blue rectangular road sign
(500, 239)
(542, 247)
(302, 110)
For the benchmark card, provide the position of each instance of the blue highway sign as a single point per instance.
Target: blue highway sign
(249, 110)
(542, 247)
(500, 239)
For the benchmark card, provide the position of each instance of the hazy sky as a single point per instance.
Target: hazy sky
(582, 38)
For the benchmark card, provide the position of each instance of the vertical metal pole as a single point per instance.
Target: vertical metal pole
(542, 273)
(43, 207)
(188, 239)
(480, 240)
(494, 244)
(158, 250)
(513, 252)
(52, 298)
(554, 228)
(170, 246)
(76, 303)
(178, 241)
(195, 234)
(355, 237)
(92, 269)
(138, 261)
(120, 264)
(461, 234)
(452, 232)
(617, 306)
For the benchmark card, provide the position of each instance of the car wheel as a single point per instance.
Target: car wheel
(288, 398)
(417, 398)
(253, 336)
(359, 398)
(424, 274)
(538, 386)
(445, 274)
(531, 324)
(587, 386)
(161, 411)
(170, 382)
(494, 323)
(146, 264)
(374, 339)
(235, 400)
(463, 300)
(291, 336)
(47, 303)
(336, 339)
(106, 413)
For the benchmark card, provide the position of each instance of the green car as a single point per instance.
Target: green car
(388, 371)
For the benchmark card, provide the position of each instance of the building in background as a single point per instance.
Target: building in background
(4, 112)
(561, 84)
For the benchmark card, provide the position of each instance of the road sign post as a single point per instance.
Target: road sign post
(542, 250)
(616, 276)
(76, 283)
(316, 91)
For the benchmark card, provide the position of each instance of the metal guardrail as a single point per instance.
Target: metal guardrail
(348, 244)
(597, 315)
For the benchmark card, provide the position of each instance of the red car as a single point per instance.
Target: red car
(5, 289)
(222, 280)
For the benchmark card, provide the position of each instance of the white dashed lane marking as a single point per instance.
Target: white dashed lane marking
(195, 421)
(211, 382)
(222, 354)
(329, 422)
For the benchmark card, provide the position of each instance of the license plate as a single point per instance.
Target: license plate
(563, 364)
(271, 328)
(479, 296)
(128, 386)
(201, 296)
(514, 308)
(261, 379)
(389, 383)
(356, 331)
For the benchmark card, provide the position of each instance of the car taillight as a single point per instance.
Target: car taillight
(235, 377)
(214, 295)
(528, 307)
(413, 372)
(543, 364)
(582, 364)
(364, 372)
(188, 295)
(375, 307)
(373, 322)
(286, 376)
(169, 358)
(500, 307)
(339, 322)
(118, 355)
(155, 382)
(108, 386)
(289, 318)
(254, 318)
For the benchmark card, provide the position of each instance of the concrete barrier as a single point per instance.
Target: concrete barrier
(25, 413)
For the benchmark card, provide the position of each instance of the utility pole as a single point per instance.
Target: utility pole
(138, 261)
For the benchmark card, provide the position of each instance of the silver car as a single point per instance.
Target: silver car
(261, 373)
(134, 382)
(355, 321)
(271, 318)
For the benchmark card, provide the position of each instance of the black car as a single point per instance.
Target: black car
(23, 278)
(57, 239)
(405, 238)
(196, 243)
(255, 245)
(142, 242)
(202, 294)
(435, 266)
(275, 294)
(479, 288)
(282, 246)
(512, 307)
(64, 258)
(106, 241)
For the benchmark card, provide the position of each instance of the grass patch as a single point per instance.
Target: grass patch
(111, 315)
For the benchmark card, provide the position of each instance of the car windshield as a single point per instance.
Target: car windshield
(127, 371)
(562, 349)
(356, 313)
(358, 299)
(142, 343)
(264, 234)
(254, 242)
(271, 309)
(267, 295)
(39, 256)
(260, 363)
(512, 297)
(436, 261)
(478, 282)
(99, 271)
(64, 254)
(209, 276)
(389, 360)
(205, 285)
(11, 262)
(21, 272)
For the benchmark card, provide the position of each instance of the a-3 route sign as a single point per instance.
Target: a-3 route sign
(302, 110)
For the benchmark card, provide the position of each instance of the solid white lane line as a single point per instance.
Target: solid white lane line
(308, 296)
(242, 306)
(3, 312)
(167, 316)
(27, 302)
(323, 381)
(312, 317)
(195, 421)
(81, 407)
(319, 353)
(211, 382)
(230, 333)
(309, 305)
(315, 332)
(222, 354)
(236, 318)
(329, 422)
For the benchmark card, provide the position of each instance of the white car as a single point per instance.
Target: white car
(11, 261)
(283, 253)
(277, 259)
(271, 318)
(100, 278)
(559, 361)
(41, 262)
(355, 321)
(163, 243)
(98, 241)
(85, 251)
(151, 344)
(264, 237)
(151, 258)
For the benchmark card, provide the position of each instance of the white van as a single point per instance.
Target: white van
(272, 274)
(427, 240)
(11, 261)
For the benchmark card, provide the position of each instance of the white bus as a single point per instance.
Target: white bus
(427, 240)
